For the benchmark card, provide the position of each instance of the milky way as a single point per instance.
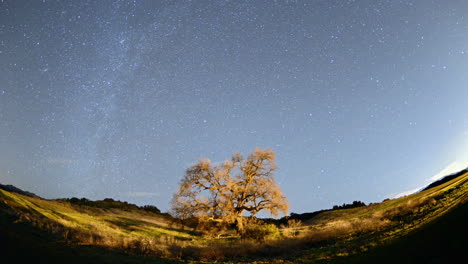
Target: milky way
(360, 100)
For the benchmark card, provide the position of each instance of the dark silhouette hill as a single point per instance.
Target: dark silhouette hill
(445, 179)
(11, 188)
(109, 203)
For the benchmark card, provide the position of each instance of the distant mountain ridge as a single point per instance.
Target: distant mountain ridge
(11, 188)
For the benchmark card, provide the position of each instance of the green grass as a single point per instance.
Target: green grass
(363, 234)
(137, 223)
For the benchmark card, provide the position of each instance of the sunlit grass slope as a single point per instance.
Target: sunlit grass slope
(440, 241)
(135, 231)
(329, 236)
(355, 231)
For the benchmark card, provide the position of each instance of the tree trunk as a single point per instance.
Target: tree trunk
(240, 225)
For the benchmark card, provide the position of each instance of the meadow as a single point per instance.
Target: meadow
(133, 235)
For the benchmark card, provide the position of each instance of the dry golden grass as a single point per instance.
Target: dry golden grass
(144, 233)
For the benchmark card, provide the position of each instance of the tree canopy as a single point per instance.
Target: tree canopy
(224, 192)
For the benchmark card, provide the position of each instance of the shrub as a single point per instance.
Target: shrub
(212, 228)
(261, 233)
(293, 223)
(291, 229)
(348, 206)
(151, 208)
(109, 203)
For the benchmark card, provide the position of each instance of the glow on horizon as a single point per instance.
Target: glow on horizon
(460, 163)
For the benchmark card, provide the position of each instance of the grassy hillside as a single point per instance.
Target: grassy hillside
(384, 227)
(90, 234)
(134, 230)
(441, 241)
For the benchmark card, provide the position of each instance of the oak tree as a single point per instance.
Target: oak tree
(225, 192)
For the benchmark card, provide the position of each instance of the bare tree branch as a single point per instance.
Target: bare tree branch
(227, 190)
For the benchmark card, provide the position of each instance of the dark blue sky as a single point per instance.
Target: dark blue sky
(361, 100)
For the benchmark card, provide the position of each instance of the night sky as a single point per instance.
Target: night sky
(360, 100)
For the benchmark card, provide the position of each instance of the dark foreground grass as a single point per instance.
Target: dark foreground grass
(443, 241)
(20, 242)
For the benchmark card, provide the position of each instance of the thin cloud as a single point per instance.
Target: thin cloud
(450, 169)
(407, 192)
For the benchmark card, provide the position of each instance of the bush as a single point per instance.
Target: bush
(261, 233)
(348, 206)
(291, 229)
(212, 228)
(293, 223)
(109, 203)
(151, 208)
